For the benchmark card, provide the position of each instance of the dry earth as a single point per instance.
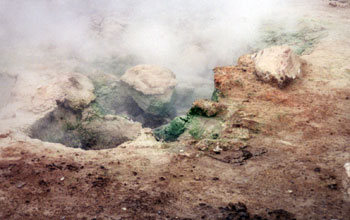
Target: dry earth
(291, 166)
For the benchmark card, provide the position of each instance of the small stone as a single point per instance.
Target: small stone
(124, 208)
(62, 178)
(197, 178)
(20, 185)
(290, 191)
(217, 150)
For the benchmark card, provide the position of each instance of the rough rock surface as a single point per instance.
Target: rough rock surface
(150, 79)
(79, 91)
(206, 108)
(151, 87)
(112, 131)
(277, 65)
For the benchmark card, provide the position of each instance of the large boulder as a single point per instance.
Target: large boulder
(79, 91)
(277, 65)
(151, 87)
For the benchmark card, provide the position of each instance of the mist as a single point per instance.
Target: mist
(189, 37)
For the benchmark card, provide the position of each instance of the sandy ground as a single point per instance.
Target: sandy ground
(293, 168)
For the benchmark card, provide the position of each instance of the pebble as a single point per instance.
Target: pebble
(20, 184)
(62, 178)
(217, 150)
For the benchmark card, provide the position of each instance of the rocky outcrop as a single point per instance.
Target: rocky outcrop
(151, 87)
(277, 65)
(79, 92)
(206, 108)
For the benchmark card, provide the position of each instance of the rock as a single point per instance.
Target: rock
(277, 65)
(206, 108)
(145, 140)
(112, 132)
(151, 87)
(20, 185)
(79, 92)
(217, 150)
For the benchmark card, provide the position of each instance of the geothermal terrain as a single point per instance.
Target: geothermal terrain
(119, 139)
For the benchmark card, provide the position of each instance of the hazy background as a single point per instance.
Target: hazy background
(184, 35)
(190, 37)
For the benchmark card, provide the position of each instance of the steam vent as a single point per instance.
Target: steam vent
(164, 110)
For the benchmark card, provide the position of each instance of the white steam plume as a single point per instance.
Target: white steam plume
(188, 36)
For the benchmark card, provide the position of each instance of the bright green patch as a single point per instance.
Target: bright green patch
(302, 39)
(173, 130)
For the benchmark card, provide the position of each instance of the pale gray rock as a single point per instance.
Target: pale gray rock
(79, 91)
(151, 87)
(277, 65)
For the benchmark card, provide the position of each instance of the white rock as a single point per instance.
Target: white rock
(151, 87)
(79, 91)
(347, 169)
(277, 65)
(150, 79)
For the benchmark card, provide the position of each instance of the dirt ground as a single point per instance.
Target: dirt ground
(290, 167)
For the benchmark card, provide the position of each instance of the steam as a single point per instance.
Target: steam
(190, 37)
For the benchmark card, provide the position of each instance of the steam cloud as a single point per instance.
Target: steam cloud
(188, 36)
